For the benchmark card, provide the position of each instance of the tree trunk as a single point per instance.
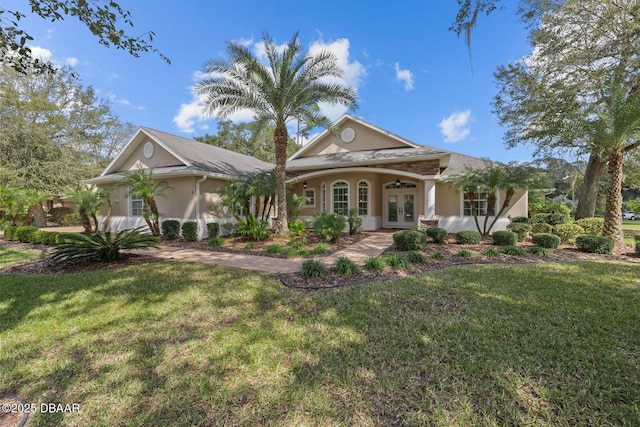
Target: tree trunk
(505, 204)
(613, 212)
(86, 222)
(155, 229)
(589, 191)
(107, 218)
(39, 218)
(280, 139)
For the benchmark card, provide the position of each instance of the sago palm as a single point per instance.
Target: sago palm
(287, 88)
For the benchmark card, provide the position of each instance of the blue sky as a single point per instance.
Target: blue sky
(413, 76)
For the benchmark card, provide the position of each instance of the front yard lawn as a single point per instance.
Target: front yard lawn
(186, 344)
(13, 255)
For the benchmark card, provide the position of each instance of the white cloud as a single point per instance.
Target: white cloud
(41, 53)
(72, 61)
(455, 128)
(191, 112)
(405, 76)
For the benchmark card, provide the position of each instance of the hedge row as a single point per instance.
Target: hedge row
(30, 234)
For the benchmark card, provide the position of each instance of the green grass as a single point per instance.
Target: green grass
(186, 344)
(630, 229)
(9, 255)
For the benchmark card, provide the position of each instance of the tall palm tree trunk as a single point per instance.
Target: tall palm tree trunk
(107, 218)
(505, 204)
(155, 226)
(589, 190)
(280, 138)
(613, 213)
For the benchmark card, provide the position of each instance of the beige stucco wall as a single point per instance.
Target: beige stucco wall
(518, 206)
(366, 139)
(160, 157)
(447, 200)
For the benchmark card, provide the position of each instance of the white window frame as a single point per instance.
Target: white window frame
(367, 195)
(323, 197)
(481, 198)
(310, 201)
(132, 199)
(333, 201)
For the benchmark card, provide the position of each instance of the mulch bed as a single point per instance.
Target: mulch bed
(450, 258)
(238, 245)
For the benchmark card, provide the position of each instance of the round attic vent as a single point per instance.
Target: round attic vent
(148, 150)
(348, 135)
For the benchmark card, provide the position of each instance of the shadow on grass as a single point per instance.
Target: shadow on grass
(186, 344)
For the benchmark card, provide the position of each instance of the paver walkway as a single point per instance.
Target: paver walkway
(369, 246)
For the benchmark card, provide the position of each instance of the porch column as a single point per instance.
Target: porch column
(429, 198)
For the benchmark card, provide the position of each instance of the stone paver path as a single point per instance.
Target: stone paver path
(369, 246)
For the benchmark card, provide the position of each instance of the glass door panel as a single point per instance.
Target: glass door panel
(409, 208)
(392, 208)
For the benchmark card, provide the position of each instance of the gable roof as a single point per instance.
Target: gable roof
(341, 120)
(192, 157)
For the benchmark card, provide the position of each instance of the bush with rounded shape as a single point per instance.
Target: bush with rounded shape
(347, 267)
(567, 232)
(520, 220)
(374, 263)
(170, 229)
(591, 225)
(437, 234)
(36, 237)
(594, 244)
(190, 231)
(330, 226)
(416, 257)
(522, 229)
(64, 216)
(468, 237)
(213, 229)
(10, 233)
(558, 218)
(505, 238)
(557, 208)
(25, 233)
(312, 268)
(541, 228)
(409, 240)
(546, 240)
(106, 247)
(540, 218)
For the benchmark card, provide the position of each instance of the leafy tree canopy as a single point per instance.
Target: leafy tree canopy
(105, 19)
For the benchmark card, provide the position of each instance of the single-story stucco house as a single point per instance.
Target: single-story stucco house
(391, 181)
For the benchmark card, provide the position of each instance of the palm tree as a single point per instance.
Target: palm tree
(88, 201)
(469, 182)
(616, 130)
(288, 88)
(144, 186)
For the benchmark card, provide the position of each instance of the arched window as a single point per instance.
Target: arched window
(363, 198)
(340, 197)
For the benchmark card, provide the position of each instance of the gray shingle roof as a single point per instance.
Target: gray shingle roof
(354, 158)
(209, 158)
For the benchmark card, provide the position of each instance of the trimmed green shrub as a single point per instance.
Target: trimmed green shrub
(65, 237)
(170, 229)
(522, 229)
(296, 227)
(216, 241)
(520, 220)
(540, 218)
(25, 233)
(542, 227)
(190, 231)
(436, 255)
(48, 237)
(546, 240)
(276, 248)
(468, 237)
(437, 234)
(539, 250)
(557, 208)
(213, 229)
(396, 260)
(558, 218)
(567, 232)
(465, 253)
(329, 226)
(374, 263)
(594, 244)
(345, 266)
(36, 237)
(409, 240)
(416, 257)
(505, 238)
(491, 252)
(512, 250)
(591, 225)
(106, 247)
(10, 232)
(312, 268)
